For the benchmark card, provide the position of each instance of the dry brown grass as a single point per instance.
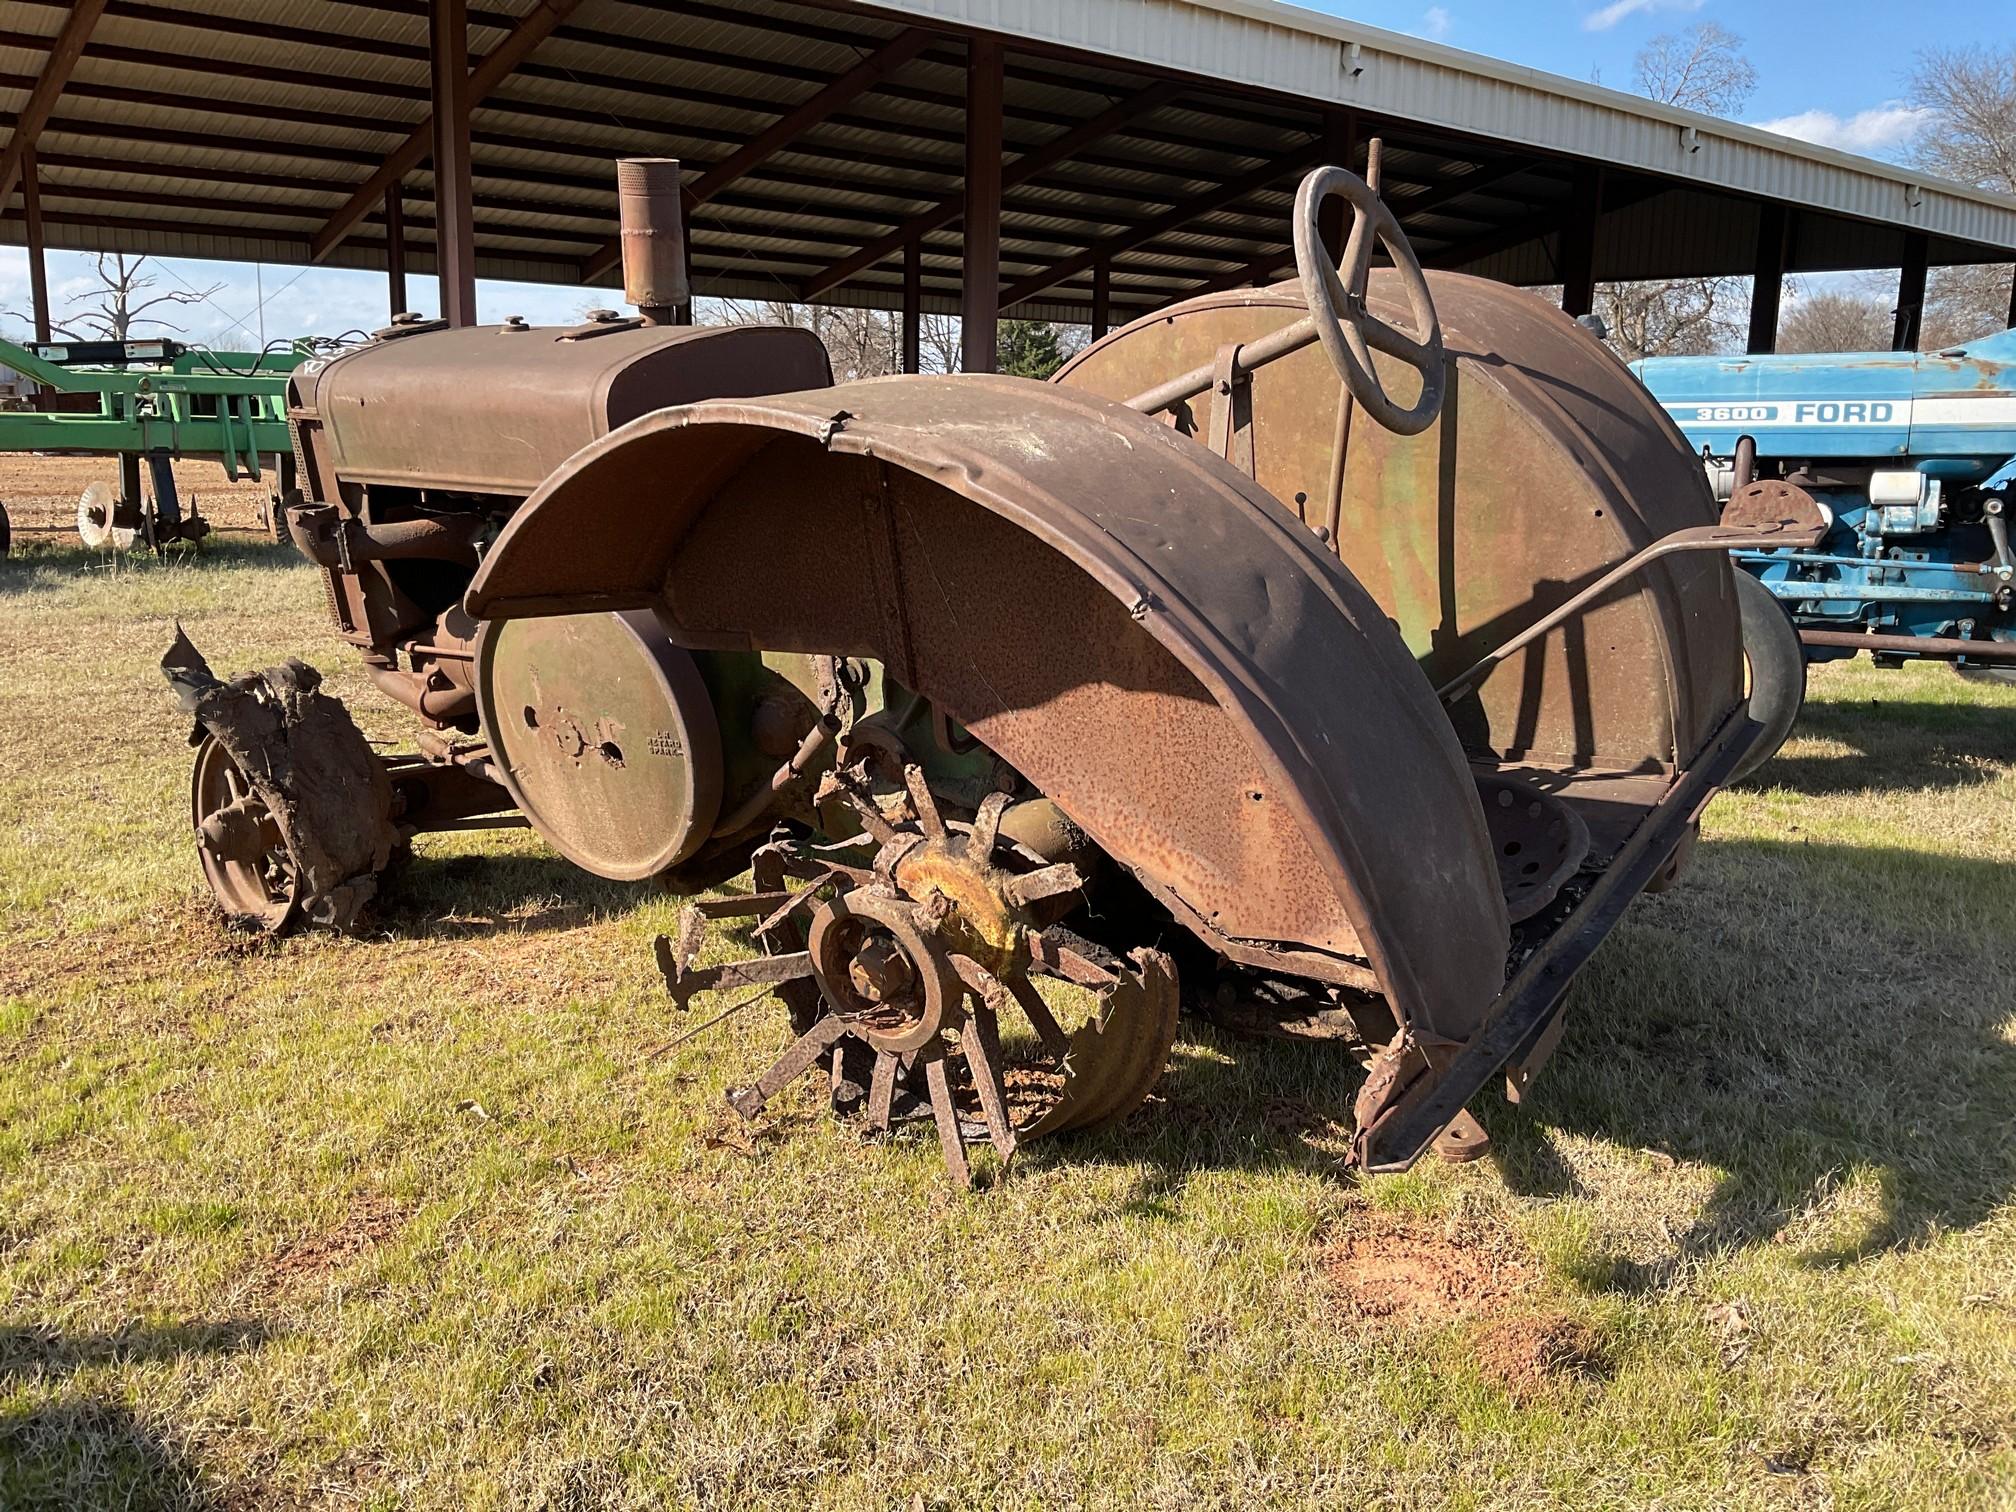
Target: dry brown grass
(425, 1219)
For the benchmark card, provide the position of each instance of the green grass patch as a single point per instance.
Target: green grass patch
(432, 1219)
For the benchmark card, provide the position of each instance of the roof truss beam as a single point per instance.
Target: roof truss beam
(1482, 177)
(1174, 218)
(954, 101)
(869, 73)
(1023, 169)
(1546, 223)
(538, 24)
(56, 69)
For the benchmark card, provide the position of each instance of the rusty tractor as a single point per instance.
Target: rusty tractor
(1339, 658)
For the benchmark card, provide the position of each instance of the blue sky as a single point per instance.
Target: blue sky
(1832, 71)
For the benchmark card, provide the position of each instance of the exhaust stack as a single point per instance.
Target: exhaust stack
(653, 221)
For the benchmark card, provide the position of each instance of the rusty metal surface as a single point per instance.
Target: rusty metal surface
(1549, 464)
(605, 737)
(495, 409)
(1783, 524)
(653, 235)
(1404, 1118)
(1143, 633)
(293, 810)
(1540, 842)
(915, 958)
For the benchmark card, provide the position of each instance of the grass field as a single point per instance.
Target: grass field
(434, 1219)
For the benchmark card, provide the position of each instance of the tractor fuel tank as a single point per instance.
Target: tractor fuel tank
(495, 409)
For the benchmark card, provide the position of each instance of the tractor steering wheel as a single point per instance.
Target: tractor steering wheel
(1336, 300)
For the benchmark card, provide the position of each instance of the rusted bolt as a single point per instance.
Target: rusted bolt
(934, 910)
(880, 971)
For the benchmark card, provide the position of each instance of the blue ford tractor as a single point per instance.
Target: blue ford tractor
(1914, 455)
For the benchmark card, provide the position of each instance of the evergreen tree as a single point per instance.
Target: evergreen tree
(1027, 349)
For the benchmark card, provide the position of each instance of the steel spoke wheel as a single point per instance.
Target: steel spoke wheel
(920, 960)
(245, 858)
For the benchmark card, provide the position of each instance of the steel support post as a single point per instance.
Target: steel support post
(1767, 289)
(454, 212)
(913, 305)
(980, 301)
(1911, 294)
(38, 264)
(395, 252)
(1340, 150)
(1578, 244)
(1102, 297)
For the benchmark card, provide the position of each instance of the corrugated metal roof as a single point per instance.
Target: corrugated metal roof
(236, 128)
(1321, 58)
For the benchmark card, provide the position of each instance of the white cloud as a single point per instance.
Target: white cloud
(1622, 10)
(1874, 132)
(1437, 21)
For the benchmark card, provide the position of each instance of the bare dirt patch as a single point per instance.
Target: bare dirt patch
(1527, 1353)
(1386, 1267)
(41, 493)
(371, 1220)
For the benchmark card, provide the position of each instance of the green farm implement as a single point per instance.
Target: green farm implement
(149, 403)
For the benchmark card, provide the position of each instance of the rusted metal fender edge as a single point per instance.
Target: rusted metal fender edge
(1271, 625)
(1532, 1001)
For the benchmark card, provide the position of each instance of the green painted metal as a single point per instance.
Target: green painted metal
(228, 405)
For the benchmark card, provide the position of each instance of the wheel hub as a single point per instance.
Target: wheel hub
(882, 972)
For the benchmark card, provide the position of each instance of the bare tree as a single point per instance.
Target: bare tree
(1681, 317)
(1701, 68)
(118, 306)
(940, 344)
(860, 343)
(1969, 95)
(1836, 321)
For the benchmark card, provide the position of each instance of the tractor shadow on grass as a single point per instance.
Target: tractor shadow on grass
(1824, 1025)
(445, 895)
(44, 562)
(86, 1452)
(1231, 1102)
(1895, 747)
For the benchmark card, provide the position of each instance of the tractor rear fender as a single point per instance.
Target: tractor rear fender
(1136, 627)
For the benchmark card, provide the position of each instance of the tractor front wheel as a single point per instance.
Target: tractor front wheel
(1775, 670)
(246, 859)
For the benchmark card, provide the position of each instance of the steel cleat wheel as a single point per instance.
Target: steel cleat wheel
(244, 855)
(919, 961)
